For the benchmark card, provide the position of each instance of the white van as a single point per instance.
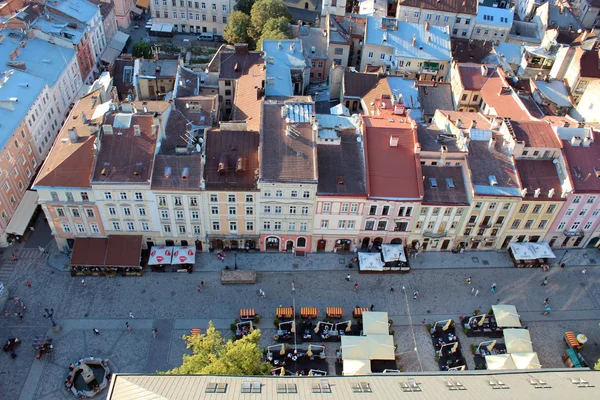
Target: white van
(206, 36)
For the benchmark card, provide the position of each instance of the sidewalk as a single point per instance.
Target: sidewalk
(276, 262)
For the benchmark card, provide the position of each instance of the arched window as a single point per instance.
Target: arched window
(301, 242)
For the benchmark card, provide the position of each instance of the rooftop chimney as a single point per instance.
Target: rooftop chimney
(473, 124)
(414, 40)
(185, 173)
(222, 167)
(240, 166)
(292, 47)
(167, 172)
(459, 123)
(575, 141)
(428, 38)
(426, 26)
(73, 136)
(524, 192)
(492, 143)
(484, 70)
(136, 130)
(551, 193)
(537, 192)
(107, 128)
(394, 141)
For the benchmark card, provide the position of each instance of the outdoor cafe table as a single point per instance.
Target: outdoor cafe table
(309, 312)
(247, 313)
(334, 312)
(358, 311)
(284, 312)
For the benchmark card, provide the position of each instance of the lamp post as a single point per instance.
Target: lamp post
(49, 315)
(563, 256)
(235, 260)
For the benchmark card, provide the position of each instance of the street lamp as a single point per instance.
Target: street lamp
(563, 256)
(235, 260)
(49, 314)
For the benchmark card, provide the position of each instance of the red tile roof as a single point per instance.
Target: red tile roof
(380, 91)
(536, 134)
(70, 164)
(582, 163)
(247, 106)
(539, 174)
(392, 172)
(474, 76)
(123, 156)
(505, 104)
(589, 64)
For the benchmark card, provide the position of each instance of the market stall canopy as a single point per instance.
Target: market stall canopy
(381, 347)
(517, 341)
(531, 251)
(123, 251)
(161, 27)
(89, 252)
(160, 255)
(526, 360)
(393, 252)
(19, 221)
(375, 323)
(370, 261)
(500, 361)
(355, 367)
(506, 316)
(355, 347)
(143, 3)
(183, 255)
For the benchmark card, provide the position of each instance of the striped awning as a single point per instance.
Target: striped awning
(247, 313)
(360, 310)
(196, 331)
(284, 312)
(309, 311)
(334, 311)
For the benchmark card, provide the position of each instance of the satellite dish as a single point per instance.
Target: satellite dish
(198, 148)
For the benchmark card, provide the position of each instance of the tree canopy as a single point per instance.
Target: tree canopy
(237, 28)
(244, 6)
(212, 355)
(276, 29)
(263, 11)
(597, 365)
(142, 49)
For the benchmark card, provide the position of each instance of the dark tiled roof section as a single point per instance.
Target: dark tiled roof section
(392, 171)
(342, 167)
(357, 84)
(159, 68)
(89, 251)
(124, 88)
(123, 250)
(228, 147)
(181, 116)
(539, 174)
(583, 163)
(436, 97)
(484, 161)
(535, 134)
(124, 157)
(177, 171)
(189, 83)
(449, 185)
(474, 76)
(465, 50)
(286, 158)
(105, 7)
(590, 64)
(234, 65)
(453, 6)
(430, 139)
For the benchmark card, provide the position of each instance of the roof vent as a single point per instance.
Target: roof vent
(236, 67)
(107, 128)
(137, 170)
(450, 183)
(103, 172)
(414, 40)
(537, 192)
(493, 181)
(279, 45)
(73, 136)
(575, 140)
(341, 180)
(524, 192)
(426, 26)
(223, 161)
(394, 141)
(185, 173)
(240, 165)
(550, 193)
(313, 49)
(136, 130)
(433, 182)
(473, 124)
(484, 70)
(597, 171)
(492, 142)
(167, 172)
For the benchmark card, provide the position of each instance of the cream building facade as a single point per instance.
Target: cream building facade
(193, 16)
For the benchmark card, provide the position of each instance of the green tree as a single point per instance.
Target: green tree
(244, 6)
(597, 365)
(142, 49)
(276, 29)
(237, 28)
(212, 355)
(264, 10)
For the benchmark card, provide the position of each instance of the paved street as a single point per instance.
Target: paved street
(171, 302)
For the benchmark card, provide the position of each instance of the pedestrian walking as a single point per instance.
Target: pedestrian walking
(472, 291)
(28, 284)
(22, 305)
(14, 257)
(6, 313)
(493, 287)
(584, 271)
(96, 332)
(498, 301)
(391, 290)
(547, 301)
(21, 316)
(545, 282)
(154, 332)
(415, 294)
(468, 280)
(293, 285)
(198, 288)
(547, 311)
(424, 321)
(476, 293)
(202, 284)
(348, 278)
(372, 307)
(356, 286)
(16, 299)
(128, 326)
(41, 249)
(131, 315)
(83, 282)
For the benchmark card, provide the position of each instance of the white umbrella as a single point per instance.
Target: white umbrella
(526, 360)
(499, 361)
(517, 341)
